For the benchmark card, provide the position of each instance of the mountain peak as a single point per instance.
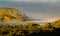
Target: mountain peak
(12, 15)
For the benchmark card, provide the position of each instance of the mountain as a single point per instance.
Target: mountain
(12, 15)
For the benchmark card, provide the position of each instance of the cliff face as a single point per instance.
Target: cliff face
(12, 15)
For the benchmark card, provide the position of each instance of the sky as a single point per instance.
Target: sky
(35, 9)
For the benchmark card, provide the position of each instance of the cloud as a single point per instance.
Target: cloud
(34, 0)
(20, 0)
(42, 10)
(14, 0)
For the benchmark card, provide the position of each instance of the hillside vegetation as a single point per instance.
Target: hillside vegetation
(31, 29)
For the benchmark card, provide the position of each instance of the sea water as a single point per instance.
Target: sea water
(17, 23)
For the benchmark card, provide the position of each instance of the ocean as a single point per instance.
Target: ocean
(17, 23)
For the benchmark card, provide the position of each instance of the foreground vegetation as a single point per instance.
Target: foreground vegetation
(31, 29)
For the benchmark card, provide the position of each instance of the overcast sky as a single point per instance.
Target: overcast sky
(38, 9)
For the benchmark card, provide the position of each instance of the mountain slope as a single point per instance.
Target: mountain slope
(12, 15)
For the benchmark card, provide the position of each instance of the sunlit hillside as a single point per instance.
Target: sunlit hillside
(12, 15)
